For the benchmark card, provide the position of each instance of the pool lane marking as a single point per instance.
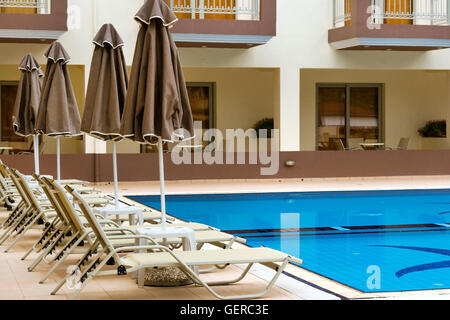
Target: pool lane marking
(446, 225)
(346, 228)
(341, 228)
(315, 285)
(341, 233)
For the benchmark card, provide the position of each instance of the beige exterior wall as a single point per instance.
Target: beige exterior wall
(301, 44)
(242, 95)
(411, 98)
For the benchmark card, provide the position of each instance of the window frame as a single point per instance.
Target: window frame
(211, 103)
(347, 87)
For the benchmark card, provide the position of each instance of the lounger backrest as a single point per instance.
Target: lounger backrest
(403, 144)
(64, 202)
(27, 190)
(3, 171)
(339, 144)
(90, 217)
(19, 188)
(56, 206)
(3, 183)
(354, 143)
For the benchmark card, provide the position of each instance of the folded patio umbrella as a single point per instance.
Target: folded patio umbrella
(58, 113)
(157, 106)
(27, 102)
(107, 87)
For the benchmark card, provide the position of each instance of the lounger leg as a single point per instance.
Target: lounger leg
(47, 250)
(207, 286)
(41, 239)
(65, 253)
(13, 226)
(16, 212)
(82, 259)
(91, 274)
(21, 232)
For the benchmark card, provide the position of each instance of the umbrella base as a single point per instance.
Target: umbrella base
(166, 277)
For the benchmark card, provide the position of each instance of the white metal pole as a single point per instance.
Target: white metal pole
(36, 153)
(161, 181)
(116, 181)
(58, 158)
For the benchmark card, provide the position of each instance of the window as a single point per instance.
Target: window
(348, 112)
(8, 138)
(8, 92)
(201, 98)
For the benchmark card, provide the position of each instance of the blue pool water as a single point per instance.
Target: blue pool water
(372, 241)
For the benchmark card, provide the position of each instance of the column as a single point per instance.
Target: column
(288, 117)
(92, 145)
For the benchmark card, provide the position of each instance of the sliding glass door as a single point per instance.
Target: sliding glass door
(347, 113)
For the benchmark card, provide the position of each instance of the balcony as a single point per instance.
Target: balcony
(404, 25)
(223, 23)
(40, 21)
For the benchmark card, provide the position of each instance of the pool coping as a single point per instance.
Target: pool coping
(315, 280)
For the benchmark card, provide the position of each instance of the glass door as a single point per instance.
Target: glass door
(364, 113)
(331, 122)
(348, 115)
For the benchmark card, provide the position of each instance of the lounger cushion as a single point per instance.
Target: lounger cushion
(204, 257)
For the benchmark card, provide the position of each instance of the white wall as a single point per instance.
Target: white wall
(301, 43)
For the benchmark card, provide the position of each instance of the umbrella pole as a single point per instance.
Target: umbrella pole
(161, 182)
(36, 153)
(58, 158)
(116, 182)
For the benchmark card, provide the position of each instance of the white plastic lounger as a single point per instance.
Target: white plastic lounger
(161, 256)
(78, 226)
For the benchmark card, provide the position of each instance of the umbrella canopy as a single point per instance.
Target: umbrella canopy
(157, 106)
(28, 95)
(107, 86)
(58, 113)
(27, 102)
(157, 103)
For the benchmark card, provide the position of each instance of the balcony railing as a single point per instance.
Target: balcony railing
(25, 6)
(217, 9)
(420, 12)
(342, 12)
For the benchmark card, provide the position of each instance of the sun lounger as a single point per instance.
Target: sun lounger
(122, 236)
(36, 213)
(161, 256)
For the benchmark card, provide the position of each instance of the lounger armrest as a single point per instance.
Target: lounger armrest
(148, 247)
(240, 240)
(295, 260)
(119, 229)
(138, 236)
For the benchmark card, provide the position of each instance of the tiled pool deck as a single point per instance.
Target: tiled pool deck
(17, 283)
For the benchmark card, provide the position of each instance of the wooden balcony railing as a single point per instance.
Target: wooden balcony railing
(216, 9)
(25, 6)
(419, 12)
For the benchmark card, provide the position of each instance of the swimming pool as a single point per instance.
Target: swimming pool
(373, 241)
